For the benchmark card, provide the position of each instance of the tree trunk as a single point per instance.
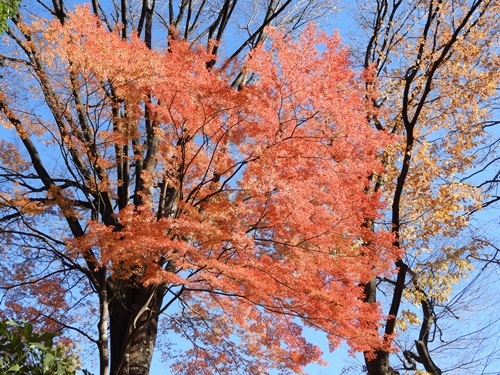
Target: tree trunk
(380, 365)
(423, 338)
(134, 312)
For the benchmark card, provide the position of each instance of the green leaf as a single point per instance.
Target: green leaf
(28, 331)
(11, 322)
(14, 368)
(48, 361)
(38, 346)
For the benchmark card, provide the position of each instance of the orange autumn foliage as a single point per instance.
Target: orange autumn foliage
(248, 206)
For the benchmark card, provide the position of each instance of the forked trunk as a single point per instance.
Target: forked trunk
(134, 312)
(380, 365)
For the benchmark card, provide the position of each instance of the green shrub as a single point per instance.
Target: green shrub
(8, 8)
(25, 351)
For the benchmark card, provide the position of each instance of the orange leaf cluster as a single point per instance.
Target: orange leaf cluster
(267, 224)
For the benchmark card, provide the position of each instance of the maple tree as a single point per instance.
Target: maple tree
(438, 70)
(152, 191)
(126, 162)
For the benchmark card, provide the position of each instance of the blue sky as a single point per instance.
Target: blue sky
(488, 221)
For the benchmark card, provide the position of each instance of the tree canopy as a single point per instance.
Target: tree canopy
(164, 191)
(227, 173)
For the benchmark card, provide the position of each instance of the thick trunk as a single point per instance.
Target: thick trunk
(380, 365)
(134, 312)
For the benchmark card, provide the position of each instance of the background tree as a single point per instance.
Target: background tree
(141, 185)
(8, 9)
(437, 64)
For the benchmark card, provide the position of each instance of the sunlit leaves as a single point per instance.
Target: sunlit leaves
(248, 206)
